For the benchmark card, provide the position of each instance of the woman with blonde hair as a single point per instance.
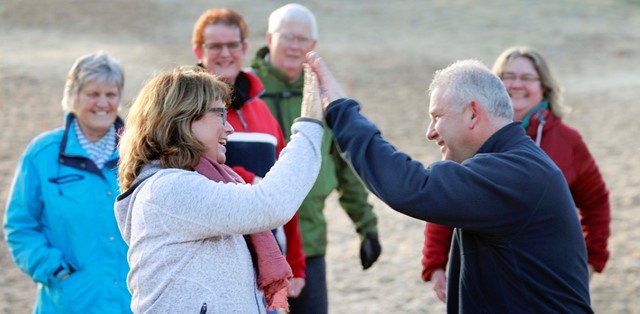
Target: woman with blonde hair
(195, 230)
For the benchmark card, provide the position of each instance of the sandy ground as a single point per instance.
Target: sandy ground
(385, 55)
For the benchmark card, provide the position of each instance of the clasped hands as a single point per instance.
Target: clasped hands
(320, 87)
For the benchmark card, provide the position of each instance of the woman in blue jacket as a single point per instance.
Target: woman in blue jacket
(60, 225)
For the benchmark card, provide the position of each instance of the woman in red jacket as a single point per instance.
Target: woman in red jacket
(535, 95)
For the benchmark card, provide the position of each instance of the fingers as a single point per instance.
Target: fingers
(329, 88)
(295, 286)
(311, 104)
(439, 282)
(316, 64)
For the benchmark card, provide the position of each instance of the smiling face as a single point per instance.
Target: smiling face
(96, 108)
(522, 82)
(212, 130)
(223, 51)
(449, 129)
(289, 46)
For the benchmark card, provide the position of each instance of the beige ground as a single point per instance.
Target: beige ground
(385, 55)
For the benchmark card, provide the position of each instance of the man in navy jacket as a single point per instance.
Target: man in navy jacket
(517, 245)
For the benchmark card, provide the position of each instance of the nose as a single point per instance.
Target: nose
(296, 43)
(228, 128)
(102, 101)
(431, 134)
(518, 82)
(225, 50)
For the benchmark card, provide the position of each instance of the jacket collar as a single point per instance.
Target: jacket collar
(71, 153)
(503, 139)
(261, 63)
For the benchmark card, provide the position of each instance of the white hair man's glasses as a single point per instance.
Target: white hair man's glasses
(291, 38)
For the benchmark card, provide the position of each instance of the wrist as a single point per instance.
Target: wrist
(309, 119)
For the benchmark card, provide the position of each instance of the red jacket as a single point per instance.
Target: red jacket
(565, 147)
(253, 148)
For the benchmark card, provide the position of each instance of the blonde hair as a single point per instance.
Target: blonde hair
(552, 91)
(159, 122)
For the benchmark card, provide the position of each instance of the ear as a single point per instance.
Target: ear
(197, 50)
(245, 47)
(269, 39)
(476, 113)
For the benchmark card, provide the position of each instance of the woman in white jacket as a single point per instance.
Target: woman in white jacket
(188, 218)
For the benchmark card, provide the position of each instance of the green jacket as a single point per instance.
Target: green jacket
(284, 99)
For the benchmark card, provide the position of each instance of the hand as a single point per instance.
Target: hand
(311, 105)
(295, 286)
(439, 284)
(329, 88)
(370, 250)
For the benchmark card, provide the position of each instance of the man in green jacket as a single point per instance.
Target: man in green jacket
(292, 33)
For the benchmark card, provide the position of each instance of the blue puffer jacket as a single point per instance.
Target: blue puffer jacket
(60, 220)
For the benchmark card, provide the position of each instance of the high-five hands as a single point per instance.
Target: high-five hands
(311, 105)
(330, 90)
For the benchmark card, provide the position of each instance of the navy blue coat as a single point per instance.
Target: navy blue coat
(517, 247)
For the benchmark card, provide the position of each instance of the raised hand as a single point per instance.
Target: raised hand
(311, 104)
(329, 88)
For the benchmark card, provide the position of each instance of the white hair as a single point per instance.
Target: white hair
(468, 80)
(292, 12)
(94, 66)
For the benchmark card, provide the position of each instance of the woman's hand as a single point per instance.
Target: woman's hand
(295, 286)
(311, 105)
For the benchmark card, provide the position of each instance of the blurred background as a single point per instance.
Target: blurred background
(384, 53)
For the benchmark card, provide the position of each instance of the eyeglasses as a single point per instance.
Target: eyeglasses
(511, 78)
(221, 110)
(217, 48)
(291, 38)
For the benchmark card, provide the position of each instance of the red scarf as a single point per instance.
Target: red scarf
(273, 270)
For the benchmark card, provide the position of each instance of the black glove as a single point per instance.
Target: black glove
(370, 249)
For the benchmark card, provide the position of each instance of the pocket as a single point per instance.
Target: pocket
(70, 295)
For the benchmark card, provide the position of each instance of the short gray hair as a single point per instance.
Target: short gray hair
(292, 12)
(467, 80)
(94, 66)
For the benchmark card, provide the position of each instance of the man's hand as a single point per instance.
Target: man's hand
(439, 284)
(370, 250)
(330, 90)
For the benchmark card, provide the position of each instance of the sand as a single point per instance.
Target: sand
(385, 55)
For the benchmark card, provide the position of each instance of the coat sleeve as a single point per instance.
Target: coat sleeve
(29, 247)
(435, 254)
(353, 196)
(200, 208)
(592, 199)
